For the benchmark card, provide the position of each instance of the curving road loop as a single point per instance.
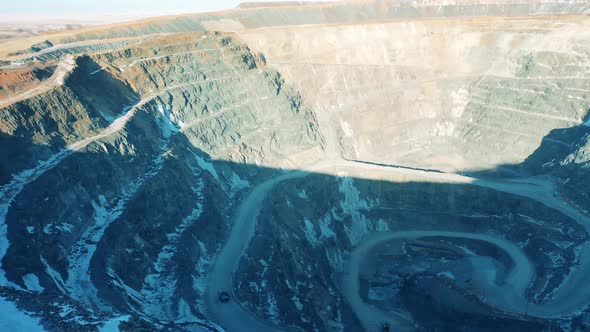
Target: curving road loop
(574, 294)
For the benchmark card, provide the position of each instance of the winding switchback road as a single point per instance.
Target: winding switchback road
(574, 294)
(372, 317)
(231, 315)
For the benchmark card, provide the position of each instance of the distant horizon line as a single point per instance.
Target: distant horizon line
(78, 17)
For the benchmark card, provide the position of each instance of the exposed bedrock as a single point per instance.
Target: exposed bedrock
(123, 164)
(482, 92)
(288, 167)
(310, 262)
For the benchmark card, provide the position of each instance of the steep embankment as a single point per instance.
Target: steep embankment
(143, 165)
(482, 91)
(116, 155)
(391, 199)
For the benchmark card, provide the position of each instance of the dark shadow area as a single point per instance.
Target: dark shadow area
(98, 91)
(131, 225)
(563, 155)
(140, 212)
(85, 104)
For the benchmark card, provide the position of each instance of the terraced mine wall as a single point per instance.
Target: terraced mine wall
(298, 142)
(303, 274)
(123, 126)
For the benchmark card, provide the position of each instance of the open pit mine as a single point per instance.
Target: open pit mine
(332, 166)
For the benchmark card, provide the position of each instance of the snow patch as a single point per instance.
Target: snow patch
(96, 71)
(459, 100)
(169, 122)
(297, 303)
(443, 128)
(32, 283)
(65, 227)
(556, 259)
(48, 229)
(159, 287)
(531, 220)
(352, 204)
(9, 191)
(64, 309)
(112, 325)
(12, 319)
(335, 258)
(62, 227)
(64, 68)
(200, 281)
(346, 129)
(310, 233)
(302, 194)
(382, 226)
(206, 165)
(447, 274)
(236, 183)
(4, 244)
(325, 230)
(54, 275)
(170, 249)
(79, 284)
(185, 315)
(254, 287)
(272, 308)
(117, 281)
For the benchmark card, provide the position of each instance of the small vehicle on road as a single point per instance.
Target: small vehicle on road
(385, 327)
(223, 296)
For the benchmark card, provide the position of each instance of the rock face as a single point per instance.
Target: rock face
(482, 91)
(324, 166)
(131, 203)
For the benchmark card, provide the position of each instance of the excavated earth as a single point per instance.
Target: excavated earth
(331, 166)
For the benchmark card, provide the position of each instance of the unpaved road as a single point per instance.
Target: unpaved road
(574, 294)
(10, 190)
(57, 79)
(231, 315)
(518, 279)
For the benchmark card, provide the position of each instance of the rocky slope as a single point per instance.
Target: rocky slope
(136, 158)
(97, 153)
(483, 91)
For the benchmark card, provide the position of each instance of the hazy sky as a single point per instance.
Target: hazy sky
(28, 8)
(36, 12)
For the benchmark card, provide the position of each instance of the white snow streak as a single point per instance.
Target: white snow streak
(79, 283)
(351, 205)
(112, 325)
(310, 233)
(12, 319)
(325, 230)
(459, 102)
(237, 183)
(207, 166)
(159, 287)
(54, 275)
(32, 283)
(9, 191)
